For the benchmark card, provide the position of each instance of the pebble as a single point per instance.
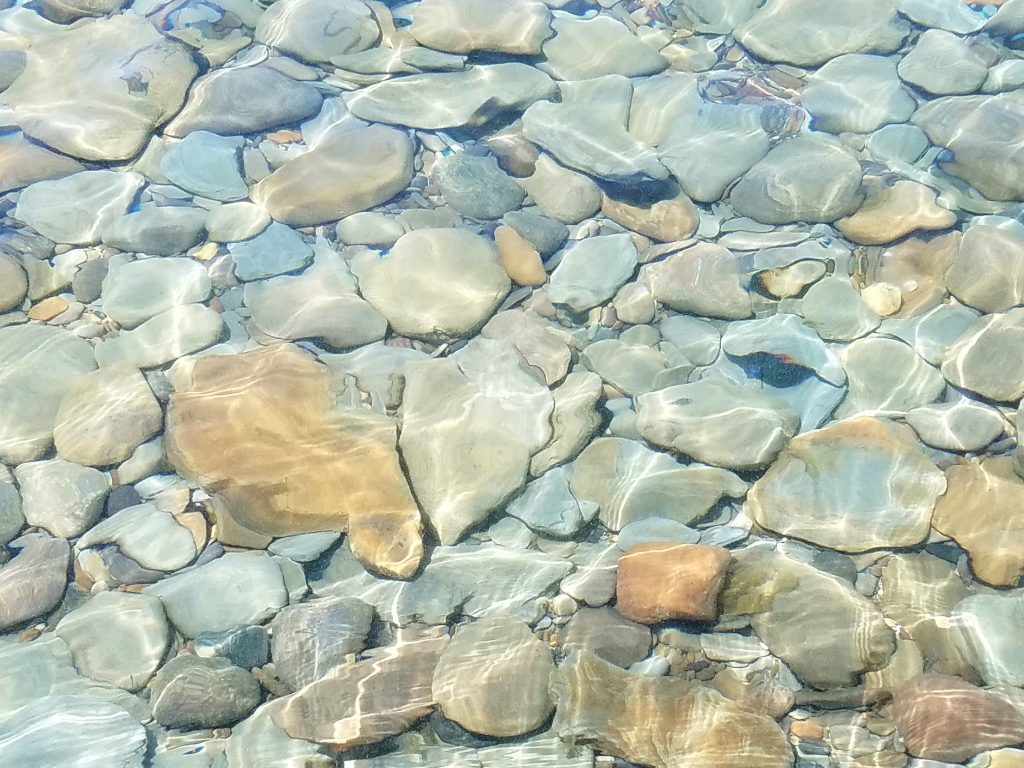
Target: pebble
(274, 251)
(835, 310)
(548, 507)
(135, 291)
(608, 635)
(206, 165)
(152, 537)
(236, 221)
(192, 692)
(959, 425)
(33, 581)
(987, 271)
(565, 195)
(545, 234)
(891, 212)
(668, 581)
(11, 518)
(60, 496)
(24, 162)
(473, 680)
(13, 283)
(541, 343)
(670, 219)
(245, 647)
(857, 484)
(48, 309)
(574, 420)
(475, 186)
(986, 627)
(157, 231)
(905, 381)
(518, 257)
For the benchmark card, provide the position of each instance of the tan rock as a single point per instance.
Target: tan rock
(261, 432)
(562, 194)
(806, 729)
(660, 581)
(987, 272)
(518, 258)
(461, 26)
(668, 220)
(882, 298)
(105, 416)
(366, 702)
(347, 172)
(47, 309)
(889, 213)
(917, 267)
(661, 721)
(1006, 758)
(983, 510)
(947, 719)
(703, 280)
(792, 280)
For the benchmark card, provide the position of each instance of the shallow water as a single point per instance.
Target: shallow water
(487, 383)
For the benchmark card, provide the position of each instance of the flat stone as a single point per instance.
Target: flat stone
(915, 266)
(565, 195)
(312, 639)
(591, 270)
(667, 220)
(985, 628)
(235, 589)
(174, 333)
(654, 720)
(486, 404)
(319, 304)
(548, 507)
(835, 310)
(518, 257)
(942, 63)
(857, 93)
(24, 162)
(347, 171)
(631, 482)
(451, 99)
(11, 518)
(117, 637)
(950, 15)
(987, 271)
(668, 581)
(207, 165)
(580, 136)
(588, 48)
(574, 420)
(463, 26)
(13, 283)
(784, 335)
(608, 635)
(343, 462)
(704, 279)
(369, 228)
(47, 309)
(243, 100)
(984, 358)
(191, 692)
(236, 221)
(77, 208)
(136, 291)
(947, 719)
(157, 231)
(492, 678)
(245, 647)
(717, 422)
(854, 485)
(55, 729)
(62, 497)
(631, 368)
(545, 234)
(105, 416)
(317, 30)
(800, 179)
(475, 186)
(966, 125)
(542, 343)
(259, 742)
(137, 80)
(365, 702)
(903, 382)
(959, 425)
(276, 250)
(982, 511)
(413, 283)
(889, 213)
(823, 629)
(33, 581)
(823, 30)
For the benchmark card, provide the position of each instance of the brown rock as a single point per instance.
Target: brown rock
(947, 719)
(661, 721)
(33, 582)
(806, 729)
(657, 582)
(260, 431)
(605, 633)
(890, 213)
(518, 258)
(368, 701)
(668, 220)
(983, 509)
(47, 309)
(917, 267)
(703, 280)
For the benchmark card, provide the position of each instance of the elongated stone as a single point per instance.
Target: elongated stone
(33, 582)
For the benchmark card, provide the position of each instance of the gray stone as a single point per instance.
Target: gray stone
(987, 272)
(274, 251)
(591, 270)
(191, 692)
(950, 15)
(542, 344)
(33, 582)
(943, 64)
(304, 547)
(784, 335)
(653, 530)
(801, 179)
(311, 639)
(237, 588)
(717, 422)
(476, 187)
(544, 234)
(574, 420)
(62, 497)
(704, 279)
(631, 368)
(886, 375)
(857, 93)
(985, 630)
(242, 100)
(78, 208)
(450, 99)
(207, 165)
(369, 228)
(960, 425)
(136, 291)
(13, 283)
(236, 221)
(172, 334)
(11, 518)
(932, 333)
(413, 284)
(608, 635)
(157, 231)
(317, 30)
(587, 48)
(245, 647)
(24, 162)
(987, 357)
(835, 310)
(117, 637)
(629, 482)
(87, 283)
(548, 506)
(151, 536)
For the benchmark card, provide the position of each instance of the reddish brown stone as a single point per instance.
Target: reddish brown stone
(947, 719)
(661, 581)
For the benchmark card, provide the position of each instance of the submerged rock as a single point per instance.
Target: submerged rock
(987, 357)
(192, 692)
(661, 581)
(317, 30)
(586, 48)
(33, 582)
(857, 93)
(462, 26)
(78, 208)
